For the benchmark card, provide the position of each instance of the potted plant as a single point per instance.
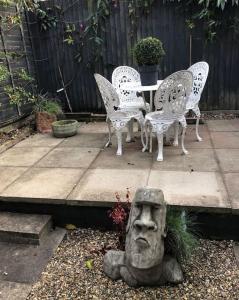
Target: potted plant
(148, 53)
(26, 93)
(46, 110)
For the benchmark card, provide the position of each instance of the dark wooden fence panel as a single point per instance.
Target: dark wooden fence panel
(166, 22)
(14, 39)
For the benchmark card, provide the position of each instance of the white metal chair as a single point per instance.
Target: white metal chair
(118, 117)
(200, 72)
(129, 100)
(170, 105)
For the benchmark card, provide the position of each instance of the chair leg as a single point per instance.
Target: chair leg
(142, 131)
(119, 141)
(150, 139)
(109, 139)
(197, 134)
(182, 141)
(145, 129)
(176, 129)
(197, 112)
(130, 126)
(160, 146)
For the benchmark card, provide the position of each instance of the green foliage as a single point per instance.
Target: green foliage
(11, 54)
(137, 8)
(23, 93)
(180, 240)
(69, 31)
(23, 75)
(148, 51)
(91, 34)
(45, 104)
(5, 2)
(214, 15)
(45, 18)
(18, 95)
(4, 73)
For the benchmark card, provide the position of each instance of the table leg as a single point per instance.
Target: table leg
(151, 100)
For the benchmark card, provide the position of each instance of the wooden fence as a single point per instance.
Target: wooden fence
(53, 56)
(15, 49)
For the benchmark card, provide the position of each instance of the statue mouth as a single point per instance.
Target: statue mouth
(141, 241)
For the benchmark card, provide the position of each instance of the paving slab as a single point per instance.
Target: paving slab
(223, 125)
(131, 159)
(98, 186)
(90, 140)
(198, 189)
(19, 157)
(93, 127)
(8, 175)
(196, 160)
(226, 140)
(228, 159)
(14, 291)
(40, 140)
(44, 184)
(232, 182)
(191, 140)
(23, 228)
(24, 263)
(70, 157)
(135, 144)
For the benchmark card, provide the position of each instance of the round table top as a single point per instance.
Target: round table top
(137, 87)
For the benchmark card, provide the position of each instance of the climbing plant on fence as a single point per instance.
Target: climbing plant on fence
(86, 37)
(89, 31)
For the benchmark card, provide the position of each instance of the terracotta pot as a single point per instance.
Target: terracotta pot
(44, 121)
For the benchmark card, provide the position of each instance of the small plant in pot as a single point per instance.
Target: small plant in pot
(148, 53)
(46, 110)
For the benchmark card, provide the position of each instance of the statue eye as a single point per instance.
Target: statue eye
(156, 207)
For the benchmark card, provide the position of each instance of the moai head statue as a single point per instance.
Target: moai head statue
(146, 229)
(143, 262)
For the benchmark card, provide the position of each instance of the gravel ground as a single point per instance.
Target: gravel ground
(211, 273)
(17, 134)
(219, 116)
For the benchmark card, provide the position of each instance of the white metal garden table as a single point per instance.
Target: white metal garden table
(135, 86)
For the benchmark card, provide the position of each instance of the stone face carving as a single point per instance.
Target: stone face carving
(143, 262)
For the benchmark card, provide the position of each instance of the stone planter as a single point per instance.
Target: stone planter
(44, 121)
(64, 128)
(149, 74)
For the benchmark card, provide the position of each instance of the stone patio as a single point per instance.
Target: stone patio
(79, 171)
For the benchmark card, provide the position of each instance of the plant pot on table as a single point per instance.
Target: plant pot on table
(149, 74)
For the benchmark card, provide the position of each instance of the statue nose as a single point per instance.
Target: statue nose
(145, 221)
(145, 225)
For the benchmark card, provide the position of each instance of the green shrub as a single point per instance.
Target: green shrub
(148, 51)
(4, 73)
(180, 240)
(48, 105)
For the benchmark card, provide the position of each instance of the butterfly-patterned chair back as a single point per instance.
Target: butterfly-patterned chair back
(172, 94)
(200, 72)
(121, 75)
(108, 94)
